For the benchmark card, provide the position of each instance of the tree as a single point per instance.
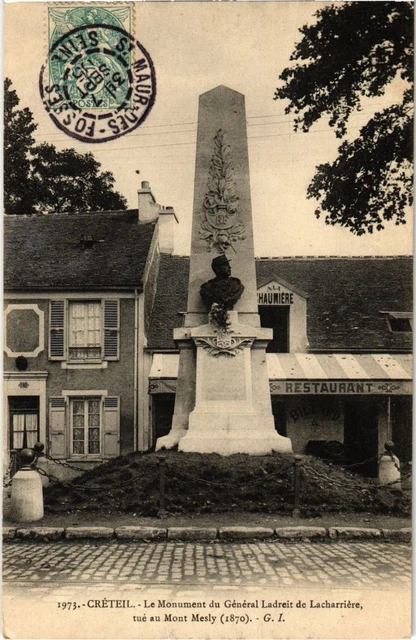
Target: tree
(354, 51)
(41, 179)
(18, 141)
(67, 181)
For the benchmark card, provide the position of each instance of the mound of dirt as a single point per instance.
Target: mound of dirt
(201, 483)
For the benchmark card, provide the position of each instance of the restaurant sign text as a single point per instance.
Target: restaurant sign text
(274, 294)
(340, 387)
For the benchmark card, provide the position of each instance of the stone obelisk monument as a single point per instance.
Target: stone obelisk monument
(222, 401)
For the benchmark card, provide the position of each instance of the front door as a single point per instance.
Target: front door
(163, 408)
(361, 435)
(24, 421)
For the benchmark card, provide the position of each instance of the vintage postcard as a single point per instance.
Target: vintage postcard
(207, 349)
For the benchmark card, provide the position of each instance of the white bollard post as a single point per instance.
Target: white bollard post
(389, 468)
(27, 496)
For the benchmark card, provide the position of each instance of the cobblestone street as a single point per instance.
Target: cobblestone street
(257, 563)
(123, 590)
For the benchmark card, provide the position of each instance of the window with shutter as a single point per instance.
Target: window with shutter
(85, 426)
(111, 329)
(57, 428)
(111, 427)
(84, 331)
(57, 330)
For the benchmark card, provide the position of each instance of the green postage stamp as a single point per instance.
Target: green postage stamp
(98, 82)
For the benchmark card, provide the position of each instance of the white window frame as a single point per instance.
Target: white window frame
(101, 362)
(85, 455)
(73, 360)
(23, 414)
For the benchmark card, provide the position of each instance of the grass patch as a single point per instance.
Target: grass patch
(210, 483)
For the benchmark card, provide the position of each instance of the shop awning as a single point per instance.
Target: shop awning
(303, 373)
(338, 374)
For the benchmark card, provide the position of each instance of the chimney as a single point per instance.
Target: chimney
(166, 229)
(148, 207)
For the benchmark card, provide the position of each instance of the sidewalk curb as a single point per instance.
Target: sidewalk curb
(225, 534)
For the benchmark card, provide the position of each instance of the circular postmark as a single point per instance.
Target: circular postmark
(98, 83)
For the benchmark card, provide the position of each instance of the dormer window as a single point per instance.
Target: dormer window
(399, 321)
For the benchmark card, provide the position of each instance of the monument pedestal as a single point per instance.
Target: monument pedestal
(227, 433)
(222, 402)
(232, 408)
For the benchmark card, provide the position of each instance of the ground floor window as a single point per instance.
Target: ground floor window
(86, 426)
(24, 421)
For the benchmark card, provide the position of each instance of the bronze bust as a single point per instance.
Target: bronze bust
(223, 289)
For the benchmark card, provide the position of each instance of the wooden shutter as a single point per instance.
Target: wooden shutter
(111, 329)
(57, 428)
(111, 427)
(57, 330)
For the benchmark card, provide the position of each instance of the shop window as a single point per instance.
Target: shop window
(276, 318)
(84, 330)
(24, 421)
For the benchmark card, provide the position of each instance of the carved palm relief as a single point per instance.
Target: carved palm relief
(221, 228)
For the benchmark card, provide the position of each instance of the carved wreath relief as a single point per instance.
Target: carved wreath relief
(224, 343)
(221, 228)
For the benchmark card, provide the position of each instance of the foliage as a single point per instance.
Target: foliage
(70, 181)
(220, 315)
(41, 179)
(354, 51)
(18, 141)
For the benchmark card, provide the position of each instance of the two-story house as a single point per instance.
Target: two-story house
(78, 289)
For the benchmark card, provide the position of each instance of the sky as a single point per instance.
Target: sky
(196, 47)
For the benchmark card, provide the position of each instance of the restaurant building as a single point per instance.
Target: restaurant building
(339, 363)
(90, 365)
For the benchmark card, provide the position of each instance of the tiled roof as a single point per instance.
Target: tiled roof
(45, 252)
(345, 296)
(170, 300)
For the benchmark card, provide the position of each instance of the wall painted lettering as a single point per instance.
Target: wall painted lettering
(275, 297)
(306, 410)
